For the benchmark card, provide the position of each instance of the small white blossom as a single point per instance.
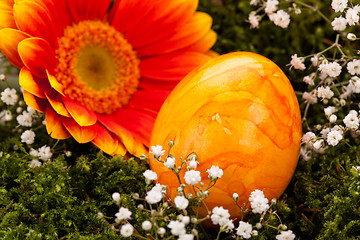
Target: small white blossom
(123, 214)
(146, 225)
(308, 138)
(314, 60)
(352, 16)
(126, 230)
(45, 153)
(9, 96)
(157, 151)
(155, 194)
(353, 67)
(305, 154)
(177, 228)
(282, 19)
(150, 175)
(253, 20)
(329, 110)
(339, 5)
(317, 145)
(259, 203)
(228, 226)
(297, 62)
(352, 121)
(161, 231)
(324, 92)
(116, 197)
(332, 118)
(334, 137)
(309, 80)
(28, 137)
(220, 216)
(192, 177)
(185, 220)
(34, 163)
(181, 202)
(170, 162)
(309, 97)
(254, 2)
(193, 164)
(332, 69)
(215, 172)
(244, 230)
(285, 235)
(351, 36)
(25, 119)
(7, 115)
(271, 6)
(34, 152)
(339, 24)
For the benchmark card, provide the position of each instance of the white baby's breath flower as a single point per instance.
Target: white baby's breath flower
(193, 164)
(186, 237)
(285, 235)
(215, 172)
(34, 152)
(309, 80)
(150, 175)
(116, 197)
(155, 195)
(126, 230)
(305, 155)
(339, 5)
(146, 225)
(7, 115)
(34, 163)
(244, 230)
(123, 214)
(45, 153)
(157, 151)
(253, 20)
(334, 137)
(170, 162)
(332, 118)
(259, 203)
(324, 92)
(181, 202)
(352, 16)
(339, 24)
(177, 228)
(220, 216)
(9, 96)
(25, 119)
(332, 69)
(161, 231)
(353, 67)
(329, 110)
(297, 62)
(309, 97)
(271, 6)
(28, 137)
(352, 121)
(254, 2)
(282, 19)
(308, 138)
(314, 60)
(317, 145)
(192, 177)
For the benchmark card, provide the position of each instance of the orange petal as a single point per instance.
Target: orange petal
(126, 14)
(6, 5)
(7, 19)
(183, 36)
(82, 115)
(164, 17)
(33, 84)
(120, 150)
(37, 55)
(149, 83)
(55, 84)
(54, 127)
(105, 141)
(36, 103)
(204, 44)
(173, 66)
(88, 9)
(56, 102)
(33, 19)
(9, 40)
(80, 134)
(149, 99)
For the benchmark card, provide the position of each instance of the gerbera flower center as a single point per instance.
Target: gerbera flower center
(97, 66)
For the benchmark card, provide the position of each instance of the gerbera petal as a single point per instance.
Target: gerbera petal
(7, 19)
(82, 115)
(173, 66)
(121, 149)
(81, 134)
(165, 16)
(55, 101)
(126, 14)
(54, 127)
(6, 5)
(149, 99)
(133, 146)
(88, 9)
(9, 40)
(149, 83)
(203, 44)
(33, 84)
(33, 19)
(37, 55)
(55, 84)
(36, 103)
(183, 36)
(105, 141)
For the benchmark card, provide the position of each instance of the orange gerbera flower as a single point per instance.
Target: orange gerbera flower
(101, 70)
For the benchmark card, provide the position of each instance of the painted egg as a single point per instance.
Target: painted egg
(239, 112)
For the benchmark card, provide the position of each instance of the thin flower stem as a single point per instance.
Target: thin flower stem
(315, 9)
(218, 235)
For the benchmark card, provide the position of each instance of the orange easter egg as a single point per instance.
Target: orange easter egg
(239, 112)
